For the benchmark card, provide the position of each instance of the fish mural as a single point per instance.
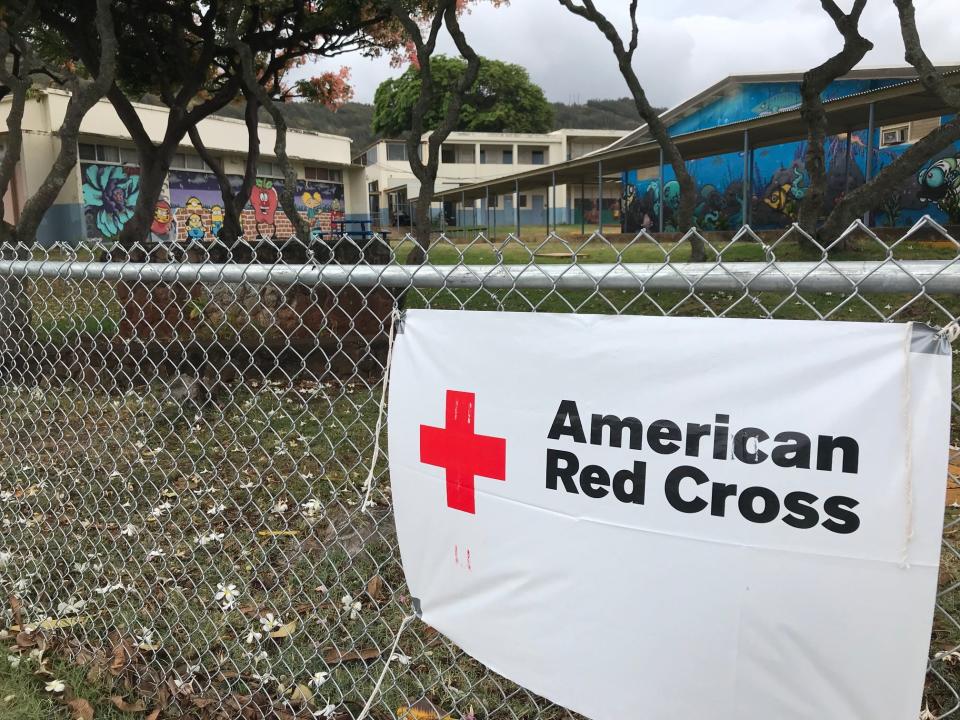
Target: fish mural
(940, 184)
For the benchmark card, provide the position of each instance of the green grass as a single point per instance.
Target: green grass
(22, 696)
(86, 463)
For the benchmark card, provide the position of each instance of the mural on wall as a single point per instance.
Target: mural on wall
(198, 205)
(164, 226)
(264, 200)
(779, 182)
(759, 99)
(940, 184)
(109, 196)
(192, 210)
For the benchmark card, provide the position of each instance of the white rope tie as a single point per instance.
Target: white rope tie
(951, 331)
(908, 454)
(368, 483)
(386, 666)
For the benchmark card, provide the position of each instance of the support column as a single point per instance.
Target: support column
(583, 209)
(516, 203)
(660, 194)
(463, 204)
(553, 201)
(745, 185)
(846, 163)
(486, 216)
(871, 127)
(600, 197)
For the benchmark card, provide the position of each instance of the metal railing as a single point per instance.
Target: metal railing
(185, 436)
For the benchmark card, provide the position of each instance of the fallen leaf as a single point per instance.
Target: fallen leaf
(122, 654)
(16, 610)
(53, 623)
(375, 588)
(301, 694)
(284, 630)
(332, 656)
(80, 709)
(278, 533)
(153, 715)
(123, 706)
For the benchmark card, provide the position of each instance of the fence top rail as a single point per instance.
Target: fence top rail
(883, 276)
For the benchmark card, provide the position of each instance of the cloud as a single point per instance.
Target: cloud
(684, 46)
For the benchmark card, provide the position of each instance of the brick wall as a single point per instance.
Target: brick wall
(283, 226)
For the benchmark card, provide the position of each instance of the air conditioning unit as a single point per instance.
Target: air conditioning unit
(893, 136)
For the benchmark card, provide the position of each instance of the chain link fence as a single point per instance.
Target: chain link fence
(186, 434)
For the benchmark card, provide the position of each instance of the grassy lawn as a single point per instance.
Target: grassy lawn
(128, 516)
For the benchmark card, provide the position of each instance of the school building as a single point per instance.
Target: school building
(99, 198)
(743, 140)
(471, 157)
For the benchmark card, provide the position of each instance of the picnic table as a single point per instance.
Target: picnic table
(359, 230)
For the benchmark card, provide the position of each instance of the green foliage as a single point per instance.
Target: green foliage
(503, 99)
(618, 114)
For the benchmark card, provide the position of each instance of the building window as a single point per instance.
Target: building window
(536, 157)
(373, 187)
(894, 135)
(325, 174)
(521, 201)
(508, 157)
(182, 161)
(267, 169)
(372, 155)
(396, 152)
(107, 154)
(448, 154)
(483, 156)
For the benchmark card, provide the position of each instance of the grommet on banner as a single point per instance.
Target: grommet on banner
(395, 315)
(386, 666)
(950, 331)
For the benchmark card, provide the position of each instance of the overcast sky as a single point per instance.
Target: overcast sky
(685, 46)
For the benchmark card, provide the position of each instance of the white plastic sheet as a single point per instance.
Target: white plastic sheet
(645, 517)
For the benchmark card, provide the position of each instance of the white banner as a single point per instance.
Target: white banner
(661, 518)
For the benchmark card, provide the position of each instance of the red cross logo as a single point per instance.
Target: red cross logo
(462, 453)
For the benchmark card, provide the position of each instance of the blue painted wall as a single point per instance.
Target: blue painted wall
(777, 178)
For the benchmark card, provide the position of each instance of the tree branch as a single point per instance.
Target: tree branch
(84, 95)
(688, 188)
(914, 54)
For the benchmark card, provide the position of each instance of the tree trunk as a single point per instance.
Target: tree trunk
(153, 174)
(811, 205)
(423, 224)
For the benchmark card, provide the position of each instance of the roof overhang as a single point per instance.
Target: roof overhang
(899, 103)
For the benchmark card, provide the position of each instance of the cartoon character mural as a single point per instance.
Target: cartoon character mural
(110, 195)
(196, 232)
(198, 193)
(940, 184)
(164, 226)
(216, 220)
(263, 199)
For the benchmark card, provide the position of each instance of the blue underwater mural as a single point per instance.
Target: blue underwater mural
(777, 179)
